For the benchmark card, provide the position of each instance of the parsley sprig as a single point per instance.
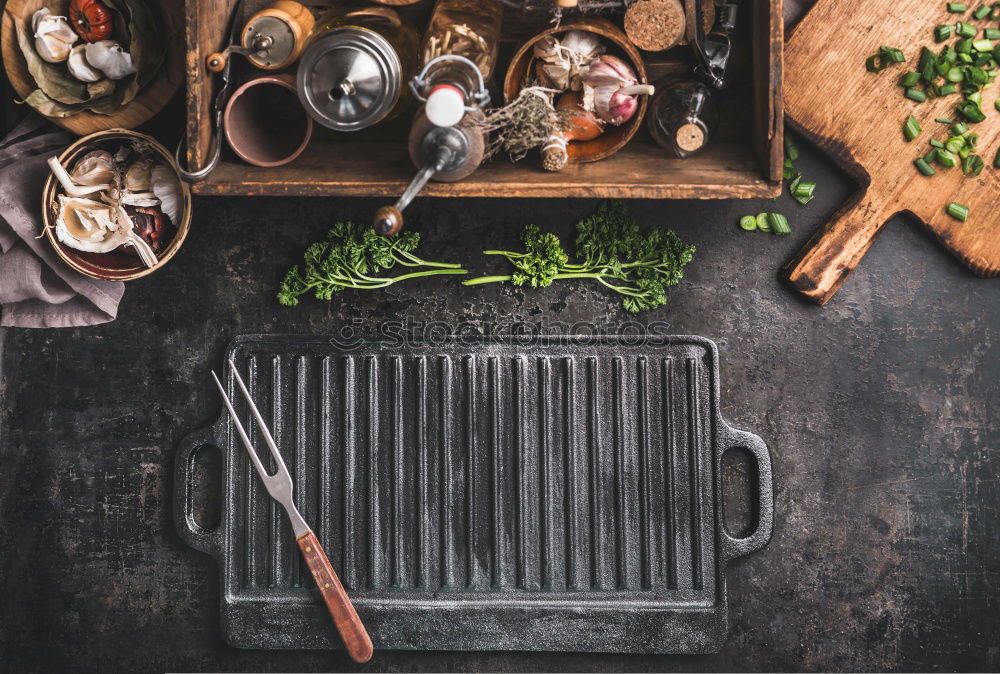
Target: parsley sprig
(354, 256)
(611, 251)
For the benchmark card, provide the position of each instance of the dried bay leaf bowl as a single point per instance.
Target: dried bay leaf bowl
(117, 265)
(166, 74)
(614, 137)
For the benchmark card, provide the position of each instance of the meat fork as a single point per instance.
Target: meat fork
(279, 486)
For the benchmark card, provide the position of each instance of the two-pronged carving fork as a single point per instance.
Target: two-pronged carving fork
(279, 486)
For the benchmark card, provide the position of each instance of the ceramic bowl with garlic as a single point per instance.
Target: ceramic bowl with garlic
(114, 205)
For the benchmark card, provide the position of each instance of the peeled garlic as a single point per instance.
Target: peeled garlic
(54, 37)
(109, 57)
(167, 188)
(79, 68)
(88, 225)
(94, 168)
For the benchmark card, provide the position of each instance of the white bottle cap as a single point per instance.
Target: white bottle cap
(445, 105)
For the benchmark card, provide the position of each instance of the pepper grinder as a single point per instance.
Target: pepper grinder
(272, 39)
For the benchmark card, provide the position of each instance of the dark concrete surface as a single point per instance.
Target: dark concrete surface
(880, 411)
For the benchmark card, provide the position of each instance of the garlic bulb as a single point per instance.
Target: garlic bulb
(167, 189)
(88, 225)
(560, 61)
(94, 168)
(54, 37)
(610, 88)
(109, 57)
(79, 68)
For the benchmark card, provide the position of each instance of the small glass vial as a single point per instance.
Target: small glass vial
(352, 71)
(682, 116)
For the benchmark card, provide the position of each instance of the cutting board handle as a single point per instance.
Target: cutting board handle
(823, 264)
(740, 547)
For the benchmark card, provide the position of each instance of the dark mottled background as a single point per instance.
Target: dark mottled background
(880, 411)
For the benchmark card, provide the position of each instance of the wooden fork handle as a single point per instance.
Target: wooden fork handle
(352, 631)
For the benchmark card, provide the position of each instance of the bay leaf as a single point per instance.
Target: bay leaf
(50, 108)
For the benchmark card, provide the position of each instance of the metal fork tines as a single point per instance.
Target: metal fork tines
(279, 485)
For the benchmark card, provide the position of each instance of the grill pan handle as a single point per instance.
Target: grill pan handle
(198, 537)
(740, 547)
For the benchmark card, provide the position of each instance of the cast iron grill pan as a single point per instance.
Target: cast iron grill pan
(542, 494)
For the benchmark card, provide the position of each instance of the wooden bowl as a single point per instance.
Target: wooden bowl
(147, 102)
(113, 266)
(614, 137)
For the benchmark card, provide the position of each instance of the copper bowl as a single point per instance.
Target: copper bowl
(115, 265)
(614, 137)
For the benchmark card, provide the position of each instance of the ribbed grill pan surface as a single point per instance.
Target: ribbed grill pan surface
(542, 494)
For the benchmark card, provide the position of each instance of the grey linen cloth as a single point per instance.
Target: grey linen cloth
(38, 289)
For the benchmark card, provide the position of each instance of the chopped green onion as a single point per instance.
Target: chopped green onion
(955, 75)
(924, 167)
(957, 7)
(931, 156)
(943, 120)
(960, 129)
(778, 223)
(963, 29)
(791, 150)
(748, 222)
(909, 80)
(958, 211)
(963, 46)
(947, 90)
(996, 162)
(802, 191)
(937, 144)
(972, 165)
(943, 32)
(911, 129)
(946, 158)
(894, 55)
(996, 104)
(983, 45)
(970, 110)
(982, 13)
(916, 95)
(992, 33)
(762, 223)
(955, 144)
(971, 140)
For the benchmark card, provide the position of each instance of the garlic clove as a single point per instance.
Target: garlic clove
(54, 37)
(79, 68)
(138, 176)
(167, 188)
(109, 57)
(94, 168)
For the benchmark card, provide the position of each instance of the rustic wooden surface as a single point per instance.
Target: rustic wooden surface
(747, 167)
(147, 103)
(858, 117)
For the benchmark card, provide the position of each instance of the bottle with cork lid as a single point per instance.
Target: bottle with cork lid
(682, 116)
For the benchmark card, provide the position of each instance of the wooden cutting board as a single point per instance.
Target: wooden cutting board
(858, 117)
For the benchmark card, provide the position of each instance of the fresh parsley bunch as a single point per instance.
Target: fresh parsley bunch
(354, 256)
(611, 250)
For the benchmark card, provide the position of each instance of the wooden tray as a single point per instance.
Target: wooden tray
(376, 163)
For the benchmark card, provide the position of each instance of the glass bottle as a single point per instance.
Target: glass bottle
(682, 116)
(352, 72)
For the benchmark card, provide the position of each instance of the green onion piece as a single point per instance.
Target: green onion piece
(909, 80)
(874, 64)
(970, 110)
(931, 156)
(958, 211)
(788, 174)
(992, 33)
(892, 54)
(778, 223)
(957, 7)
(911, 129)
(762, 223)
(995, 14)
(924, 167)
(947, 90)
(963, 46)
(955, 75)
(943, 120)
(960, 129)
(976, 97)
(982, 13)
(937, 144)
(916, 95)
(943, 32)
(946, 158)
(983, 45)
(948, 55)
(973, 165)
(955, 144)
(996, 104)
(965, 30)
(748, 222)
(972, 140)
(996, 161)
